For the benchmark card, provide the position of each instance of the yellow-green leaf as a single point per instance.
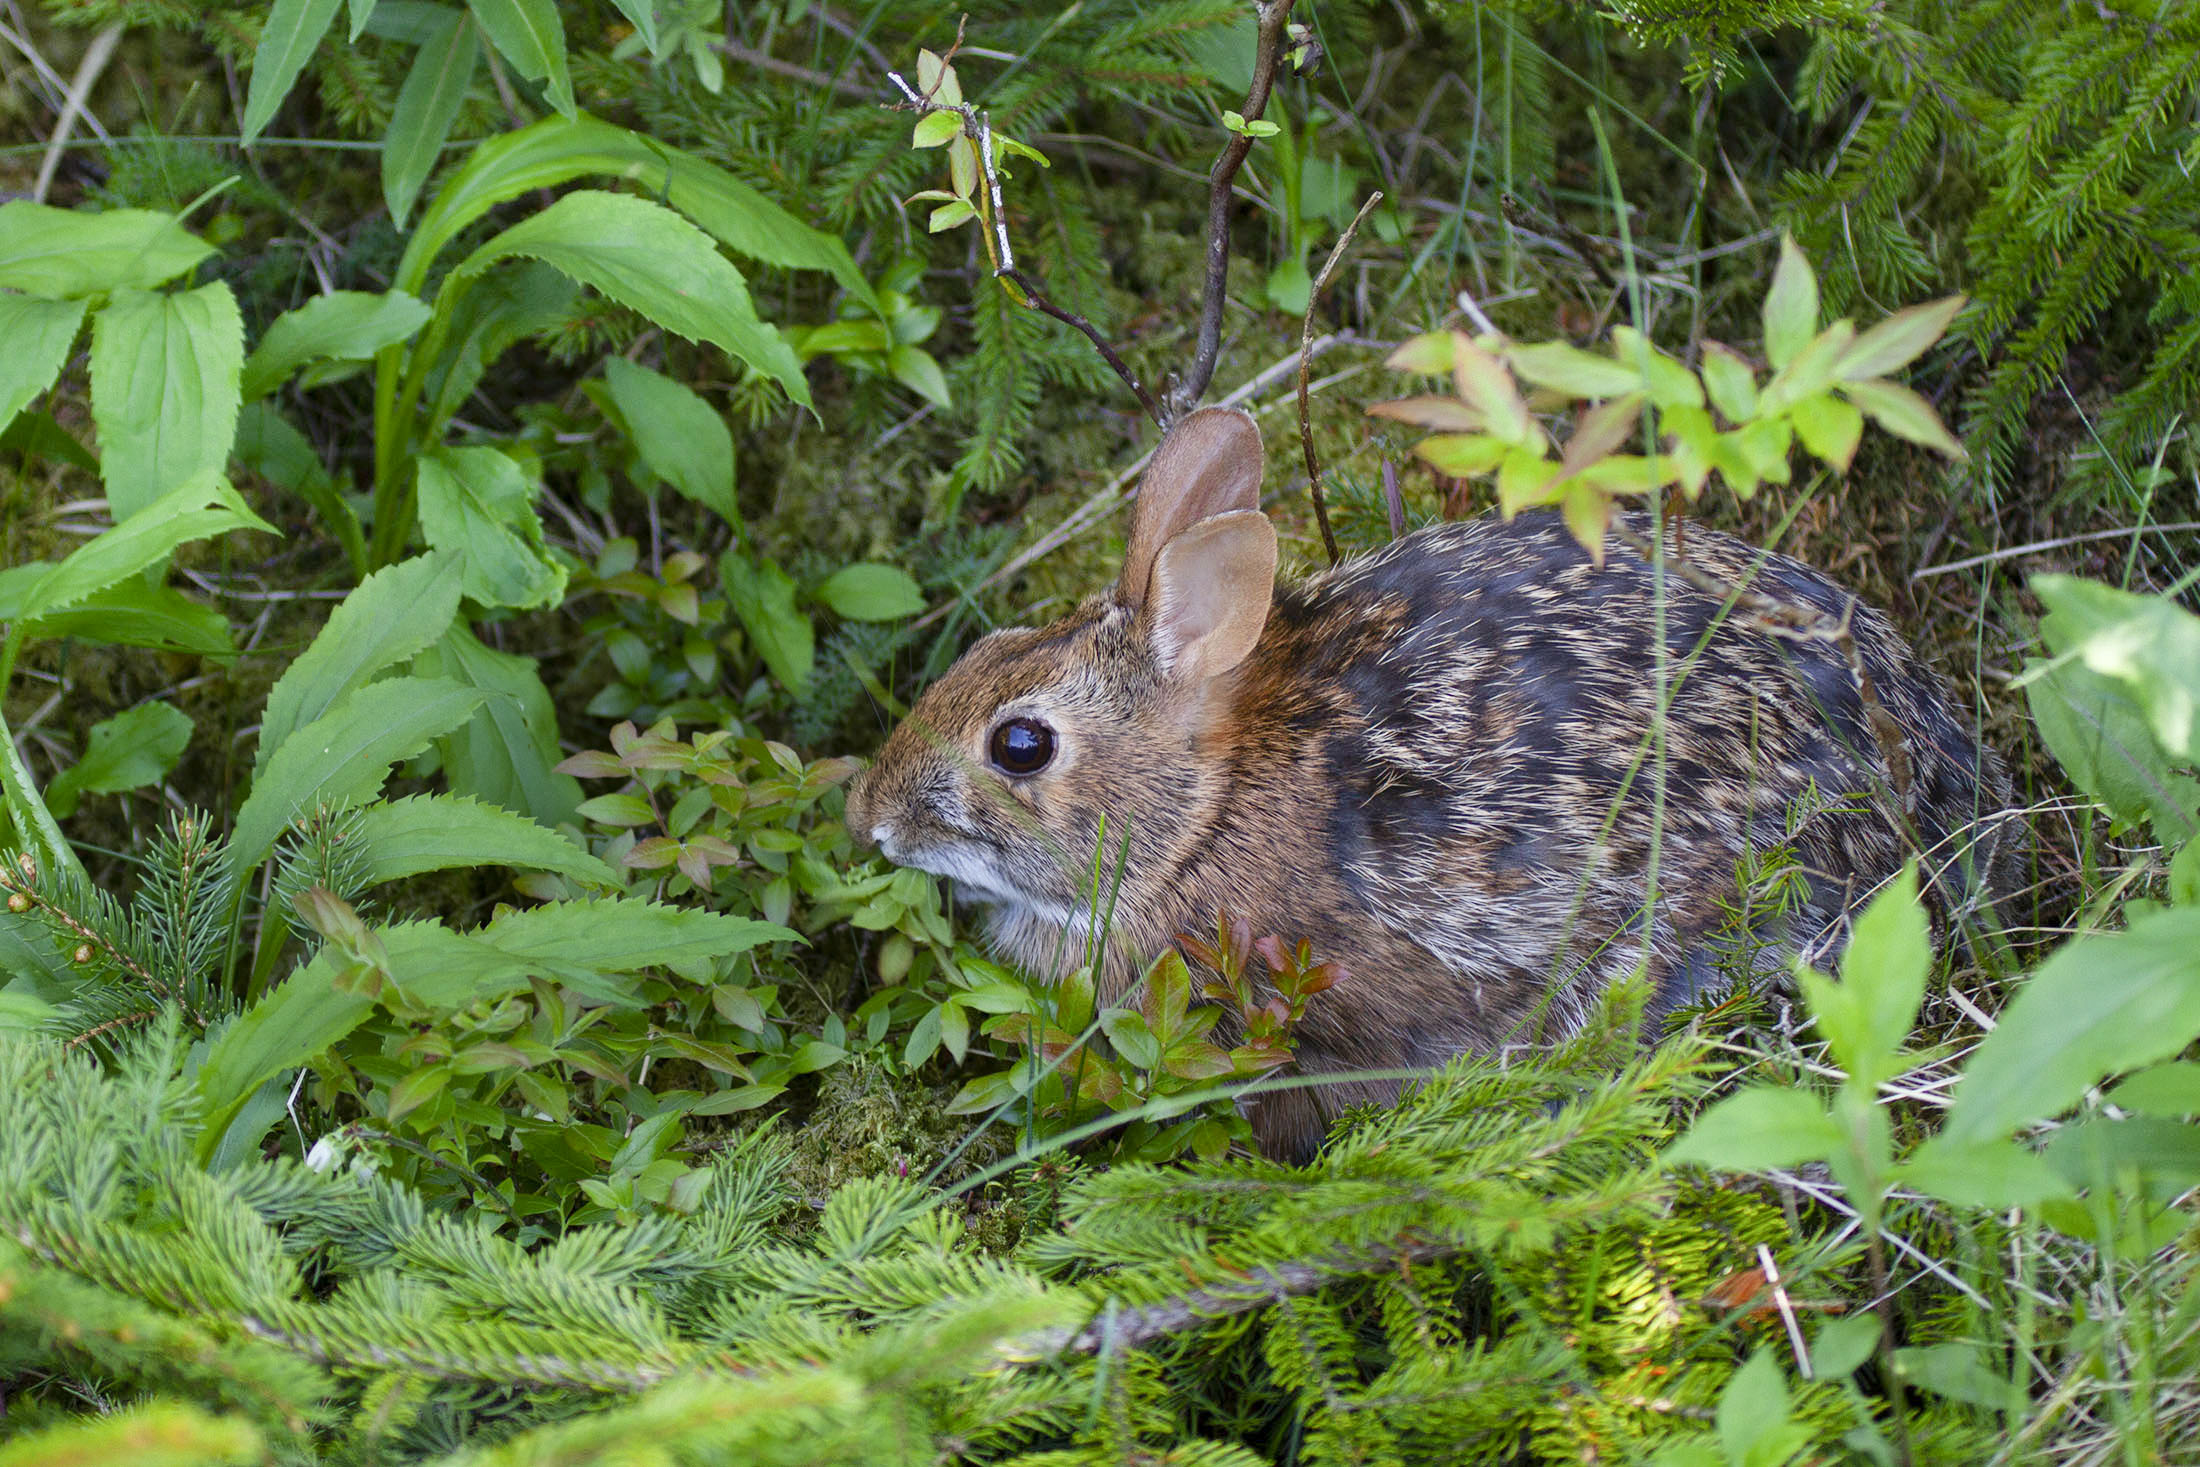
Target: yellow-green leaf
(1899, 340)
(1829, 428)
(1791, 306)
(1733, 387)
(1462, 455)
(1903, 413)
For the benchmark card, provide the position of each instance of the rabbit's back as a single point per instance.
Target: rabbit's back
(1480, 699)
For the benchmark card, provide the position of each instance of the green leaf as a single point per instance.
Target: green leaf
(477, 504)
(2097, 1148)
(1791, 306)
(557, 150)
(343, 757)
(643, 15)
(919, 371)
(2165, 1090)
(1842, 1344)
(764, 598)
(203, 506)
(130, 613)
(416, 1090)
(1132, 1039)
(1904, 414)
(1759, 1128)
(529, 34)
(1955, 1371)
(1463, 455)
(1566, 368)
(2097, 1006)
(287, 41)
(270, 445)
(164, 390)
(508, 307)
(1899, 340)
(868, 592)
(1996, 1174)
(622, 935)
(427, 105)
(1829, 428)
(986, 1092)
(649, 259)
(507, 752)
(133, 749)
(1868, 1015)
(38, 435)
(2148, 645)
(39, 334)
(61, 254)
(1730, 383)
(680, 436)
(1668, 382)
(342, 326)
(1290, 286)
(935, 129)
(1756, 1426)
(362, 11)
(2100, 736)
(390, 616)
(445, 832)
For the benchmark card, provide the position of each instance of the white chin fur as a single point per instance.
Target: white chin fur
(978, 880)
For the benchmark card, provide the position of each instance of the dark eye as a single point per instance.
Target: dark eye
(1022, 746)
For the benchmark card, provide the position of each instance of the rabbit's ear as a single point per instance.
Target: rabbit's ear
(1209, 464)
(1209, 593)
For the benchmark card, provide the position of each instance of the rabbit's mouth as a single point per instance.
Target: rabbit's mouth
(978, 880)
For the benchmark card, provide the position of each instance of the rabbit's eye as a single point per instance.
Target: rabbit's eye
(1022, 746)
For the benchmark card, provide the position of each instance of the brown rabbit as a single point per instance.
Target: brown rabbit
(1430, 762)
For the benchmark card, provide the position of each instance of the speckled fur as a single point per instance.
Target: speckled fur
(1431, 767)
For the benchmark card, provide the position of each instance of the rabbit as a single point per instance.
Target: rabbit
(1429, 761)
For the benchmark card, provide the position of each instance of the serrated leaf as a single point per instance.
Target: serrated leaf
(344, 756)
(344, 325)
(392, 615)
(133, 749)
(1899, 340)
(39, 334)
(529, 34)
(763, 596)
(1791, 306)
(201, 507)
(287, 41)
(63, 253)
(129, 613)
(504, 753)
(868, 592)
(164, 390)
(1759, 1128)
(680, 436)
(624, 935)
(1904, 414)
(427, 106)
(1829, 428)
(649, 259)
(478, 505)
(403, 838)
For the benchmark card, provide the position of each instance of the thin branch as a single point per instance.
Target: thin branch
(764, 61)
(1267, 52)
(1306, 360)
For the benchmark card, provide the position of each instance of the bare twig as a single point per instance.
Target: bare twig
(764, 61)
(1267, 52)
(72, 105)
(2184, 527)
(1002, 250)
(1306, 342)
(1394, 504)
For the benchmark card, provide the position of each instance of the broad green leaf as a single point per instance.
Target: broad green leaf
(133, 749)
(936, 129)
(427, 105)
(1564, 367)
(2100, 736)
(649, 259)
(529, 34)
(342, 326)
(507, 752)
(2148, 645)
(1756, 1426)
(1791, 306)
(2098, 1006)
(287, 41)
(39, 334)
(643, 15)
(986, 1092)
(1463, 455)
(763, 597)
(622, 935)
(130, 613)
(1428, 354)
(1810, 371)
(489, 318)
(343, 757)
(2098, 1146)
(919, 371)
(867, 592)
(1899, 340)
(1132, 1037)
(362, 11)
(1290, 285)
(1955, 1371)
(164, 390)
(1867, 1016)
(680, 436)
(393, 614)
(2165, 1090)
(1904, 414)
(1668, 382)
(1996, 1174)
(443, 832)
(1759, 1128)
(270, 445)
(61, 253)
(1730, 383)
(557, 150)
(1842, 1344)
(1829, 428)
(203, 506)
(479, 505)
